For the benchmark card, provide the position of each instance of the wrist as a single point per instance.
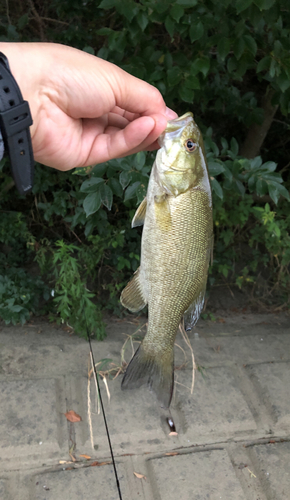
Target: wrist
(15, 120)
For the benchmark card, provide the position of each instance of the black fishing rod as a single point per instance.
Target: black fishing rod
(105, 420)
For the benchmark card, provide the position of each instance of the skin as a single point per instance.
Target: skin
(85, 110)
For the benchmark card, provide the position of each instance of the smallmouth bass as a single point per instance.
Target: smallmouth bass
(176, 246)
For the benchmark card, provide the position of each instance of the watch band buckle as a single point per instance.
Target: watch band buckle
(14, 120)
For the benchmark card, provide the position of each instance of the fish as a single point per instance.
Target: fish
(176, 247)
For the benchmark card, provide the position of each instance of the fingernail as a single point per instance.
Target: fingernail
(171, 114)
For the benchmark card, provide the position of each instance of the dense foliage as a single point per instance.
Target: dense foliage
(229, 63)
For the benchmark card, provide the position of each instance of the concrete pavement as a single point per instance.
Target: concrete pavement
(233, 433)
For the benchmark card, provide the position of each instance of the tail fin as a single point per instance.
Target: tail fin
(154, 370)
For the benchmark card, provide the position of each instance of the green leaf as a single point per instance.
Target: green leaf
(89, 50)
(131, 191)
(242, 5)
(240, 187)
(200, 65)
(261, 187)
(107, 4)
(276, 190)
(224, 143)
(216, 187)
(99, 170)
(142, 20)
(278, 48)
(92, 203)
(124, 178)
(169, 25)
(196, 31)
(192, 82)
(186, 94)
(187, 3)
(12, 33)
(127, 8)
(140, 193)
(275, 177)
(215, 168)
(223, 47)
(242, 66)
(270, 166)
(283, 81)
(239, 47)
(234, 146)
(140, 160)
(174, 76)
(264, 4)
(273, 68)
(231, 64)
(263, 64)
(82, 171)
(252, 183)
(250, 44)
(176, 12)
(106, 196)
(22, 21)
(91, 185)
(273, 192)
(122, 164)
(116, 187)
(104, 31)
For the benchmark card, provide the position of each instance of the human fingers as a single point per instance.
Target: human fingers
(136, 136)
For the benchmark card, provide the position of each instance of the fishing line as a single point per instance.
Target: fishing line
(105, 420)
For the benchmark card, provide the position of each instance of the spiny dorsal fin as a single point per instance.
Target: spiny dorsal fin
(132, 297)
(139, 216)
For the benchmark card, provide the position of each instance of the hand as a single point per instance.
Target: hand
(85, 110)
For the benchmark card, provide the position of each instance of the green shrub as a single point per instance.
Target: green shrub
(229, 63)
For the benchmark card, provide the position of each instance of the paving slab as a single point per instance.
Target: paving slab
(239, 405)
(30, 419)
(133, 416)
(272, 381)
(88, 483)
(216, 407)
(3, 489)
(220, 349)
(272, 465)
(195, 476)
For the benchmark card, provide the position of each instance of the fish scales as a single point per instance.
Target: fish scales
(175, 252)
(174, 277)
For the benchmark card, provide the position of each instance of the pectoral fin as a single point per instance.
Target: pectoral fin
(132, 297)
(192, 314)
(162, 212)
(139, 217)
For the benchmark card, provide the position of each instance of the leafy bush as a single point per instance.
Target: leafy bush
(20, 295)
(229, 63)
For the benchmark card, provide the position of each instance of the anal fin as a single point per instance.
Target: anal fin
(132, 297)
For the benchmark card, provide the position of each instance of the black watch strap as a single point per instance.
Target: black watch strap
(15, 120)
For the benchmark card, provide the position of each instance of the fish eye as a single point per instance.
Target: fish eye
(190, 145)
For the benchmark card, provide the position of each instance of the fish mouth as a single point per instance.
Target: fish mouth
(175, 128)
